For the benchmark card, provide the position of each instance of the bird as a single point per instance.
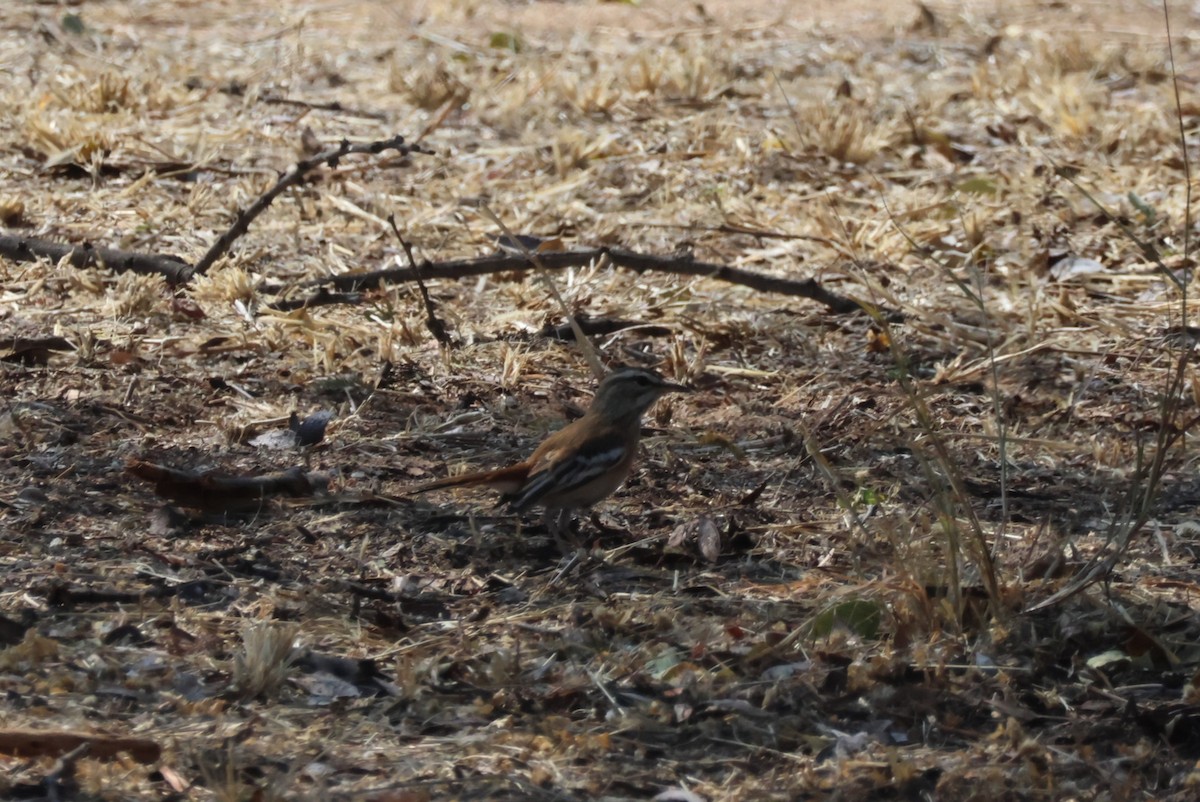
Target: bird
(582, 463)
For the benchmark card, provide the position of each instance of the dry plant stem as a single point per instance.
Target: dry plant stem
(949, 470)
(581, 339)
(28, 249)
(1148, 249)
(831, 477)
(943, 495)
(300, 169)
(1187, 162)
(1147, 479)
(975, 295)
(449, 107)
(734, 229)
(983, 549)
(432, 322)
(630, 260)
(1144, 486)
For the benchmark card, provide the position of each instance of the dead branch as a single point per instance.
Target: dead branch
(27, 249)
(59, 595)
(214, 491)
(293, 176)
(40, 743)
(639, 263)
(175, 270)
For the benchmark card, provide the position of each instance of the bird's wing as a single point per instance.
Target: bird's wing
(564, 468)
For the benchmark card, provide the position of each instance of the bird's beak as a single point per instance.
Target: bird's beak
(671, 387)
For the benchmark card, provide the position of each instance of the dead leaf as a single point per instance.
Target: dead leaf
(32, 650)
(1073, 267)
(709, 538)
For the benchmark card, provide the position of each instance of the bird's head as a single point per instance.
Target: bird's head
(628, 393)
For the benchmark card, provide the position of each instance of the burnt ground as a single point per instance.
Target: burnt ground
(789, 599)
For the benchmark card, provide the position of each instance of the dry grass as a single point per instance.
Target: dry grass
(825, 654)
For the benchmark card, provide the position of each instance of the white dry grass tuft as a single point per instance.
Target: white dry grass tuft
(265, 660)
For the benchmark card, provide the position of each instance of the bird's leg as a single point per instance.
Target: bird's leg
(564, 525)
(558, 522)
(550, 521)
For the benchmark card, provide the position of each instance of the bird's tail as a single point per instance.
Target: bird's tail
(505, 480)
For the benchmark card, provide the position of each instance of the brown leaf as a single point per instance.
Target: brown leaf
(186, 308)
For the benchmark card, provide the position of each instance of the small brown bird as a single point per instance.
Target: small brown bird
(583, 462)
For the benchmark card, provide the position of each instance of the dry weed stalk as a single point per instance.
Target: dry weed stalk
(226, 773)
(583, 342)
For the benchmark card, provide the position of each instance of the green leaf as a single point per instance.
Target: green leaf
(506, 41)
(866, 496)
(73, 23)
(1146, 210)
(663, 663)
(860, 616)
(979, 185)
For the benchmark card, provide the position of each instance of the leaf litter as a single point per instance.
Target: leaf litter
(763, 612)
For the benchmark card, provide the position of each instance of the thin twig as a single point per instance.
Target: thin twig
(737, 229)
(334, 107)
(1183, 149)
(432, 322)
(293, 176)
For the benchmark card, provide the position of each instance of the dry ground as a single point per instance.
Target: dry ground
(768, 609)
